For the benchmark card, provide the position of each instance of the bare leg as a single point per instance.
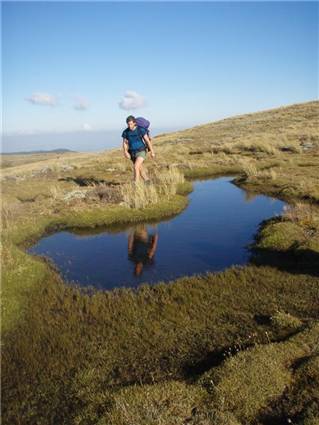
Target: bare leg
(143, 173)
(137, 168)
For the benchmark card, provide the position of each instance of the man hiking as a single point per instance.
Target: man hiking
(135, 148)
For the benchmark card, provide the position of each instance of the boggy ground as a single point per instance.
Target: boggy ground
(234, 347)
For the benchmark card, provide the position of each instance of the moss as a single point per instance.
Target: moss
(246, 383)
(124, 336)
(21, 275)
(171, 402)
(280, 236)
(283, 320)
(165, 403)
(300, 401)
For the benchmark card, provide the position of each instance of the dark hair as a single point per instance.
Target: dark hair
(130, 118)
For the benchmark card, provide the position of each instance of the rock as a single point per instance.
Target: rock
(307, 145)
(66, 167)
(45, 170)
(74, 194)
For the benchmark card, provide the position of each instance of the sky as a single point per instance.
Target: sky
(73, 71)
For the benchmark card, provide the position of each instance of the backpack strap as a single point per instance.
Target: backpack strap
(141, 137)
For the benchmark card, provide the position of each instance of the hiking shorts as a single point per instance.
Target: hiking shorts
(137, 154)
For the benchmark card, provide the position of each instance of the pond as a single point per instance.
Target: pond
(211, 234)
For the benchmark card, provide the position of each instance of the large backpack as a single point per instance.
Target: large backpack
(143, 122)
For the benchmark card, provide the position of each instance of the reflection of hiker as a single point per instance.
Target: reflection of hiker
(141, 247)
(135, 148)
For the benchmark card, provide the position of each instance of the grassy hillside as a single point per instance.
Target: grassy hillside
(234, 347)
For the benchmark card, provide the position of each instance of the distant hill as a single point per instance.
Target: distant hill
(286, 128)
(38, 151)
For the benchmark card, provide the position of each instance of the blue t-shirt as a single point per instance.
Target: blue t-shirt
(134, 140)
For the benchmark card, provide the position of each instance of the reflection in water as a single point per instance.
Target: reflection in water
(141, 247)
(212, 233)
(250, 196)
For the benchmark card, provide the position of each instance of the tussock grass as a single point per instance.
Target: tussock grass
(255, 146)
(138, 195)
(249, 168)
(303, 213)
(164, 184)
(284, 320)
(251, 171)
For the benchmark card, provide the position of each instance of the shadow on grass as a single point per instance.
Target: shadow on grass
(303, 261)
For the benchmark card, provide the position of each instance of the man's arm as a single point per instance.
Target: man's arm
(151, 252)
(130, 242)
(125, 148)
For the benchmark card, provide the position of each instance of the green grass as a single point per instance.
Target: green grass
(170, 402)
(80, 356)
(122, 337)
(245, 384)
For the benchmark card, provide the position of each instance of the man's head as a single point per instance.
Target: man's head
(131, 122)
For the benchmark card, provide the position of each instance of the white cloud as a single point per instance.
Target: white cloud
(42, 99)
(81, 103)
(87, 126)
(132, 100)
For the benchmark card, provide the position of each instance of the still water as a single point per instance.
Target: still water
(211, 234)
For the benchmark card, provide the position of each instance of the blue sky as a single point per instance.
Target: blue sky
(83, 67)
